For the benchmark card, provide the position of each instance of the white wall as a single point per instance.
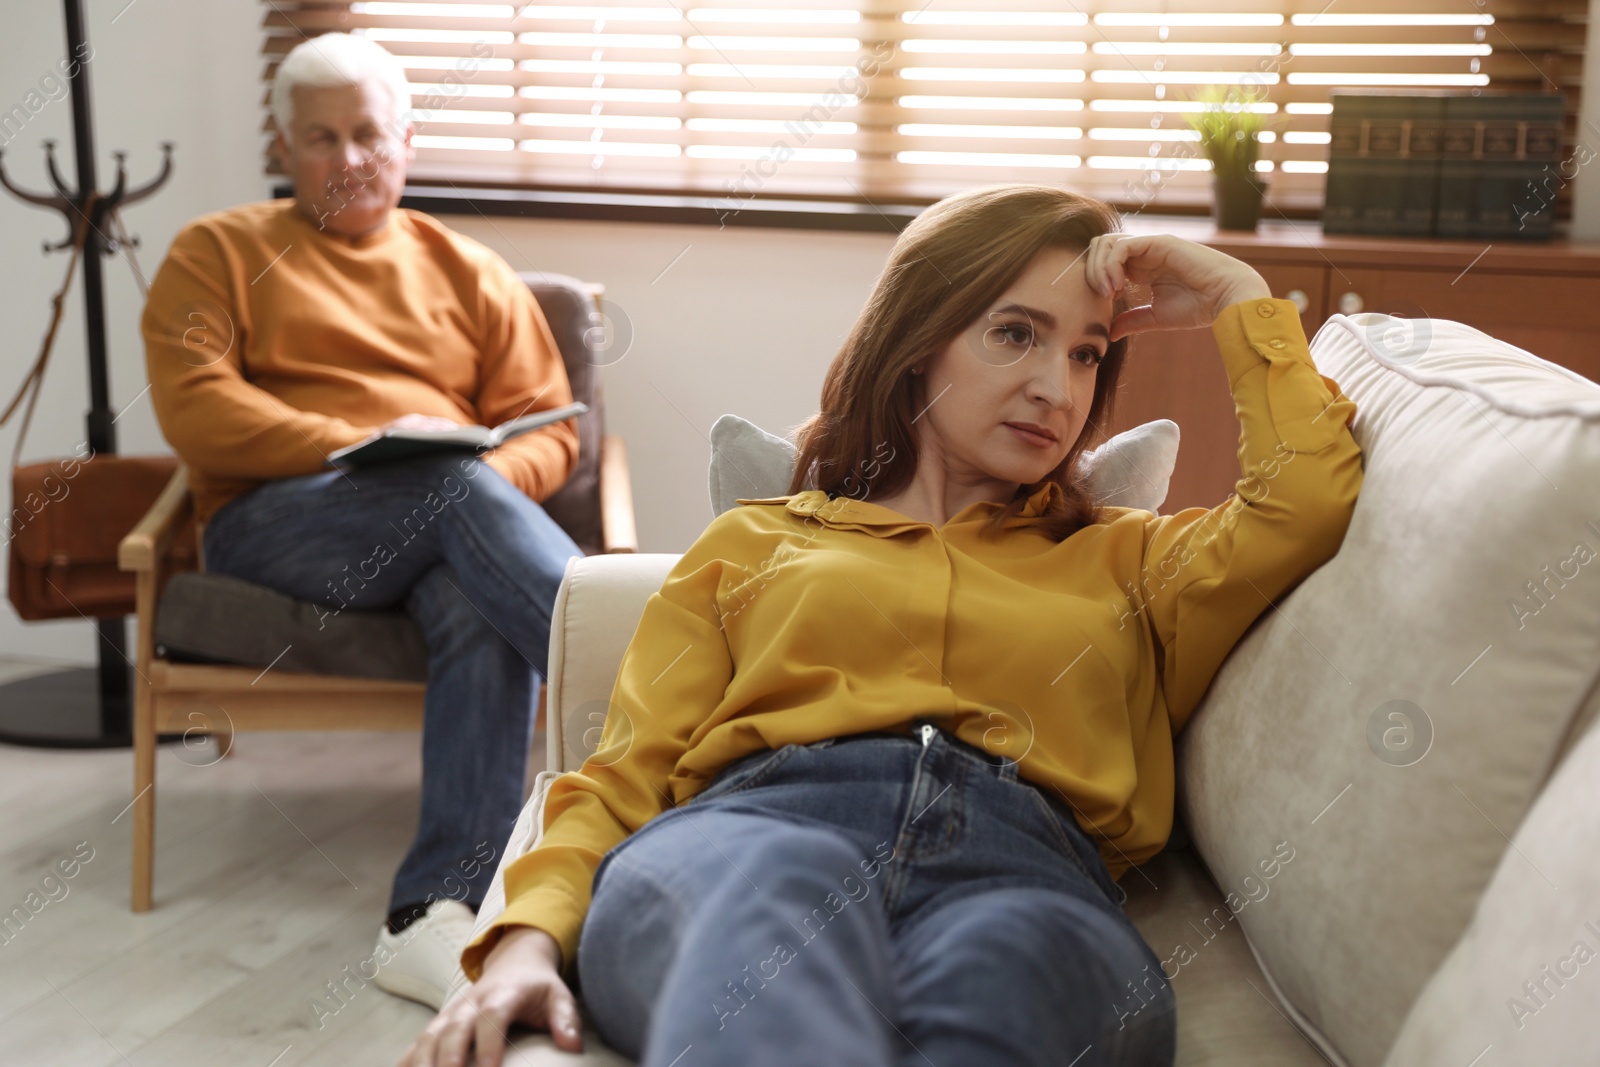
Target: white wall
(743, 321)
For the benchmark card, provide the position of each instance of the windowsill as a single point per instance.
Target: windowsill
(690, 209)
(686, 209)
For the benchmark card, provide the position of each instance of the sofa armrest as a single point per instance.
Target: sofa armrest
(596, 611)
(524, 835)
(597, 608)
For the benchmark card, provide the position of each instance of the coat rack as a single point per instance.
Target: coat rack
(82, 707)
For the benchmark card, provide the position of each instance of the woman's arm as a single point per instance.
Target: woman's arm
(673, 676)
(1208, 573)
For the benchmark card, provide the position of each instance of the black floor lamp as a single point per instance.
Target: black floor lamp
(86, 707)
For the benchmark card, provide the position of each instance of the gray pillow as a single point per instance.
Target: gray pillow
(1131, 470)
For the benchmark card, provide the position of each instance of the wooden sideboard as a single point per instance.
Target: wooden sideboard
(1543, 297)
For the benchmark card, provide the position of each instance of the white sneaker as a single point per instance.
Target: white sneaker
(424, 959)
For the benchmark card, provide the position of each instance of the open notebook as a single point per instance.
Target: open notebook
(391, 445)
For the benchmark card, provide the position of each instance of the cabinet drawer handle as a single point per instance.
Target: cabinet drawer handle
(1302, 302)
(1351, 303)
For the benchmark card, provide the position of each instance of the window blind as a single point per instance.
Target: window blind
(909, 100)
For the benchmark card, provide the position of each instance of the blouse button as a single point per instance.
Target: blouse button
(1266, 310)
(1276, 342)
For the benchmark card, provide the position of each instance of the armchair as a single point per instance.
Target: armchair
(200, 653)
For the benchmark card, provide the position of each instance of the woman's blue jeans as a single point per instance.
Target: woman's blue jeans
(871, 899)
(477, 564)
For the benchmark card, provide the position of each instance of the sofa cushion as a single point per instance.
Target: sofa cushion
(1395, 716)
(216, 618)
(1226, 1014)
(1522, 978)
(1131, 470)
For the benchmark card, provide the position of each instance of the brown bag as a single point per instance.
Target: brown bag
(69, 515)
(67, 518)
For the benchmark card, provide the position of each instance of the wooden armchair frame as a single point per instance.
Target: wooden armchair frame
(221, 700)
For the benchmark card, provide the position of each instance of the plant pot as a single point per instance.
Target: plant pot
(1237, 200)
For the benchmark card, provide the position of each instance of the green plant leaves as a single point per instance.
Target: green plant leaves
(1229, 127)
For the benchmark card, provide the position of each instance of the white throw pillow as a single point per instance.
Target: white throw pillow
(1131, 470)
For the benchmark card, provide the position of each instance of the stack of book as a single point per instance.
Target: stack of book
(1445, 164)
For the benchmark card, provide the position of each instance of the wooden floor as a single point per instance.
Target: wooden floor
(272, 876)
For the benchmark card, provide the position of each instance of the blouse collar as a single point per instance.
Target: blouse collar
(847, 513)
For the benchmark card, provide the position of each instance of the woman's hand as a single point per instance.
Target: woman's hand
(1190, 284)
(521, 982)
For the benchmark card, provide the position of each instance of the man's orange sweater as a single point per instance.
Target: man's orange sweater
(270, 343)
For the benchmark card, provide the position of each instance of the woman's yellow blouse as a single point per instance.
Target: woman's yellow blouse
(797, 618)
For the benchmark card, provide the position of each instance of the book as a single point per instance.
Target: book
(1383, 156)
(1444, 163)
(1419, 196)
(1341, 191)
(1498, 176)
(391, 445)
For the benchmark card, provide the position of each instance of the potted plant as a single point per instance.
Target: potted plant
(1229, 129)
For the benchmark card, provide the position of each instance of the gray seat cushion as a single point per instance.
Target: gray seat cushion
(215, 618)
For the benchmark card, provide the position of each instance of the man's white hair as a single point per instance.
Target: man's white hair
(338, 59)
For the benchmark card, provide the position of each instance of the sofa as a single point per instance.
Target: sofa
(1389, 799)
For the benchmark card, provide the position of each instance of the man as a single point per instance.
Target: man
(278, 332)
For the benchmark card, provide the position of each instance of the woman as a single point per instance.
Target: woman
(880, 748)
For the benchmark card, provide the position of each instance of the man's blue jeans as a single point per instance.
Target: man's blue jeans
(869, 900)
(477, 564)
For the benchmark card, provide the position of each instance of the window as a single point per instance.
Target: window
(910, 101)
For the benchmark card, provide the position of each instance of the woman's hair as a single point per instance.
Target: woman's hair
(337, 59)
(947, 267)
